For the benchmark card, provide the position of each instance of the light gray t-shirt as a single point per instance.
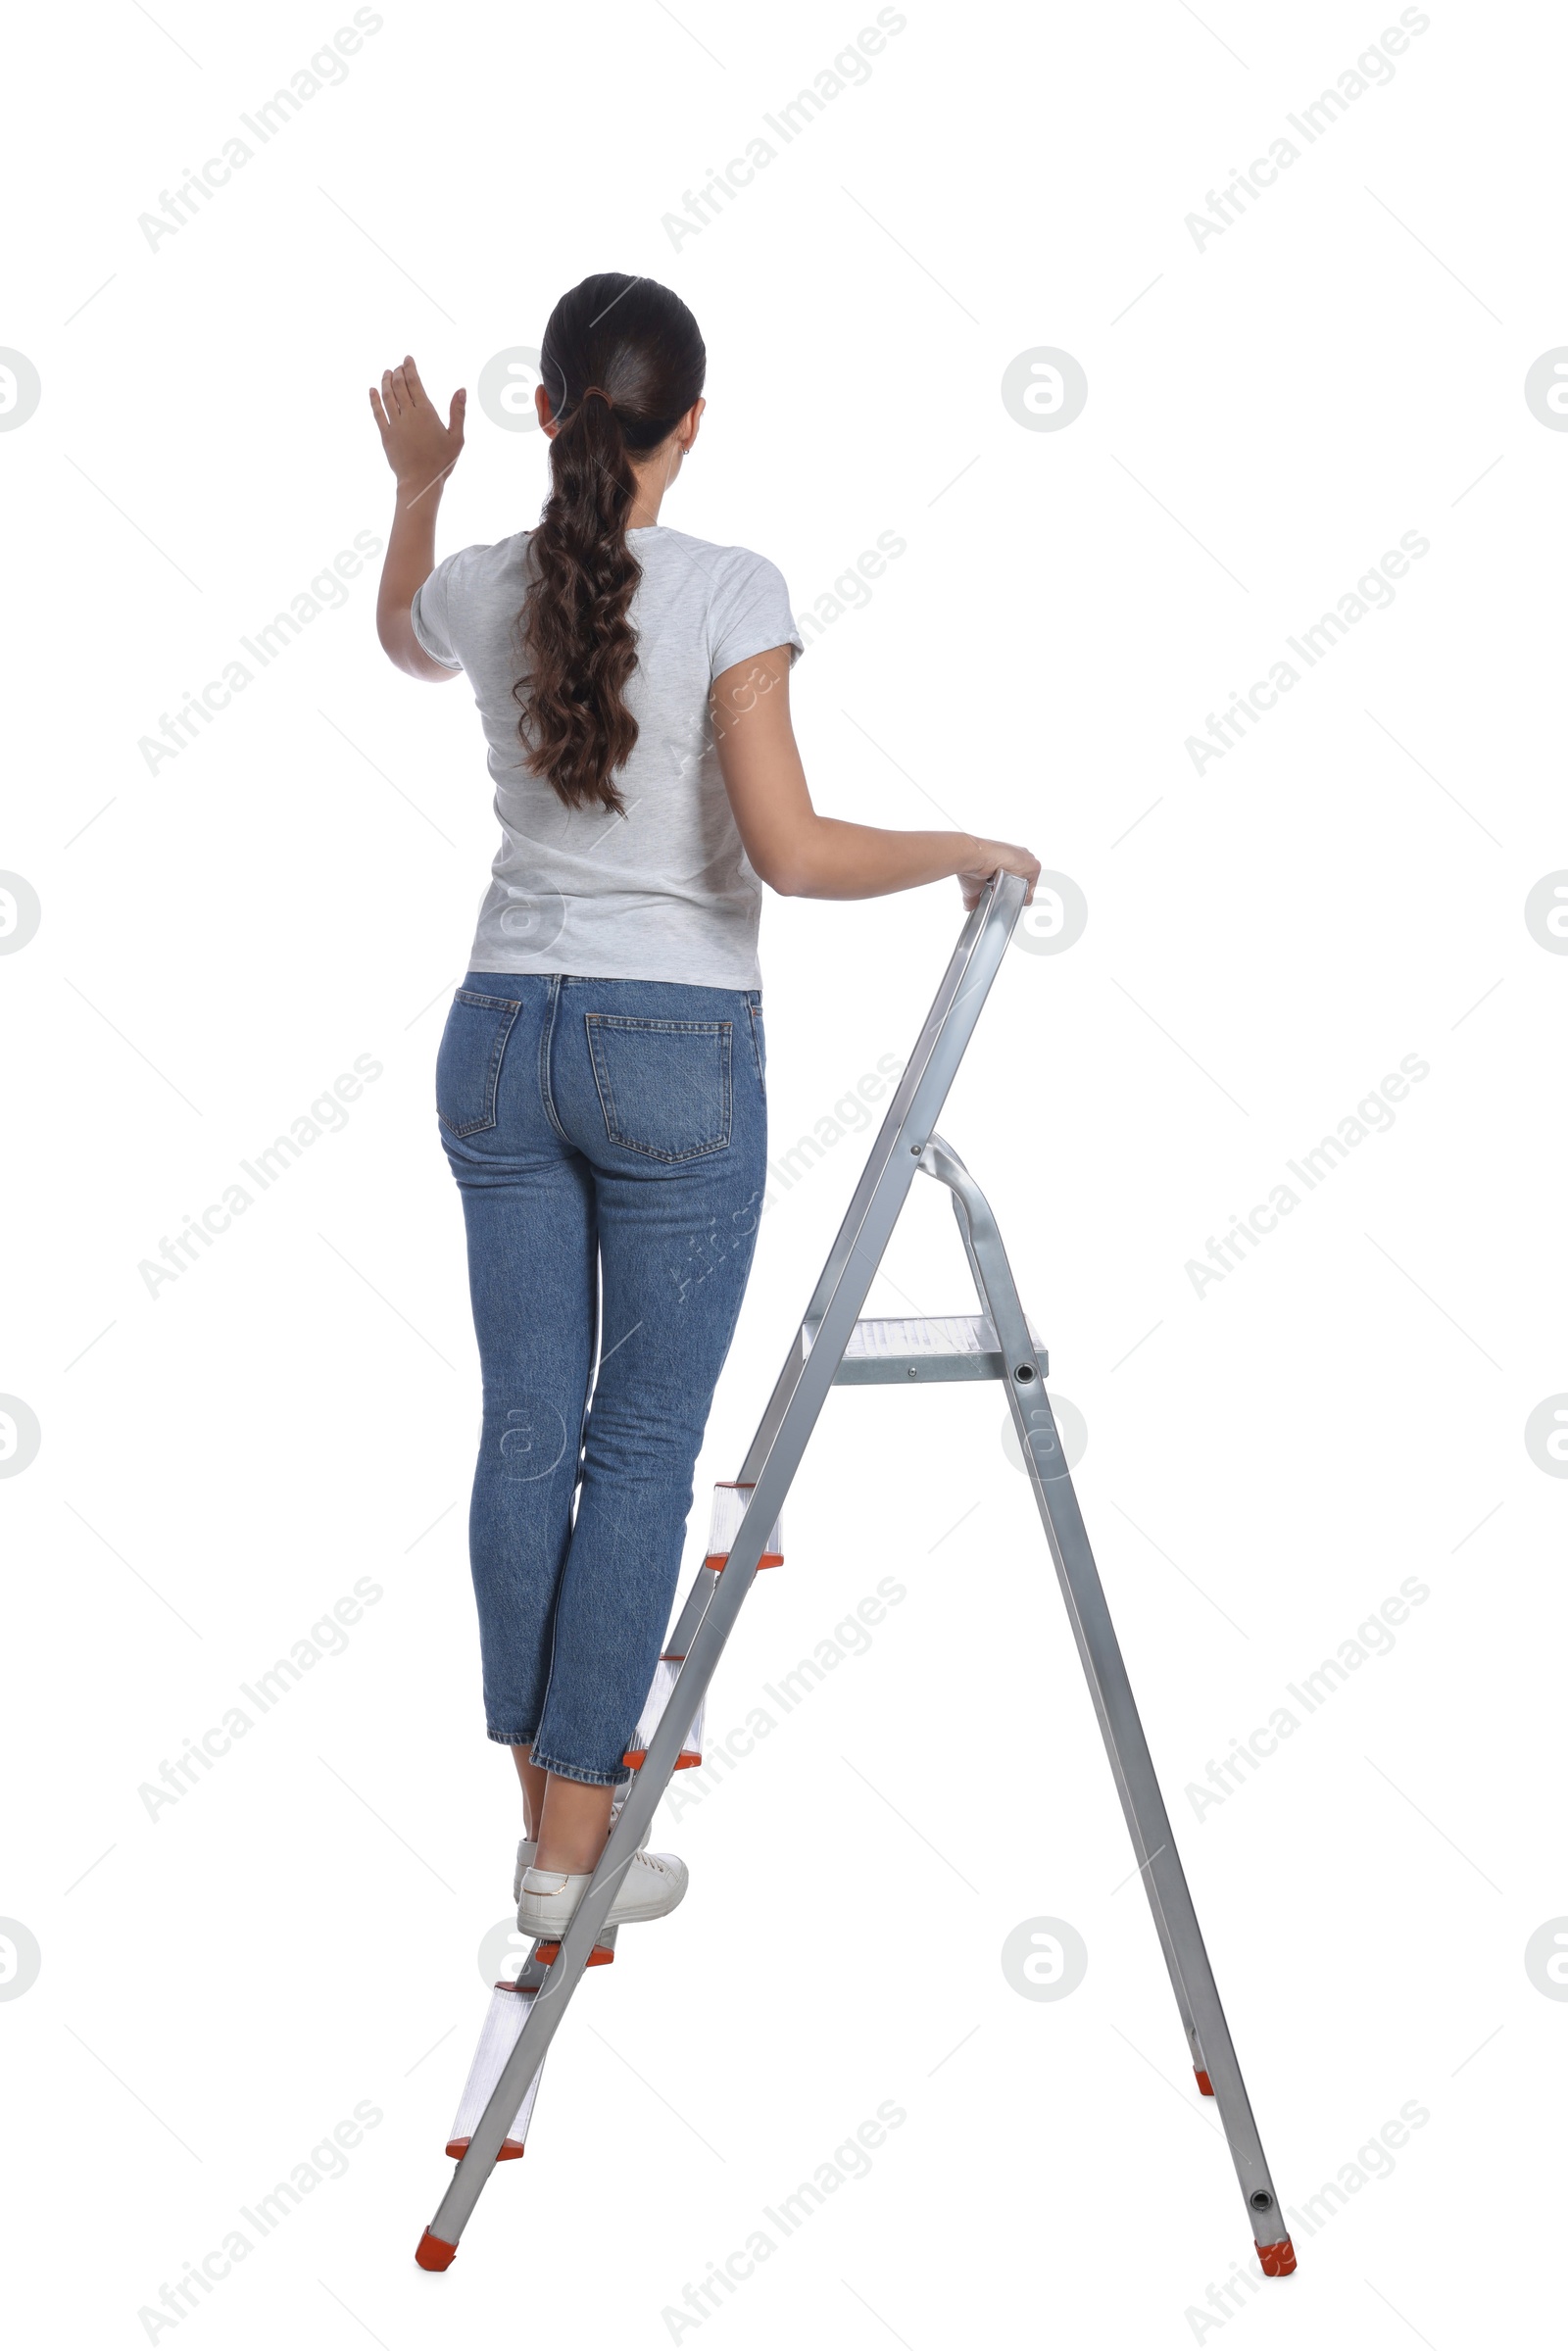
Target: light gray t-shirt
(665, 892)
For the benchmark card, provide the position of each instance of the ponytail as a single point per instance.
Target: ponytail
(622, 362)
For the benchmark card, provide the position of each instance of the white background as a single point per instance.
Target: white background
(1266, 1462)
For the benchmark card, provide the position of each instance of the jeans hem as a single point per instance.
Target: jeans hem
(513, 1738)
(584, 1773)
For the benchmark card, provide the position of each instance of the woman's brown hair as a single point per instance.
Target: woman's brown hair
(622, 361)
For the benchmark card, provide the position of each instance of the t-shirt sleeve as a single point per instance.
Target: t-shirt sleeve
(750, 614)
(433, 612)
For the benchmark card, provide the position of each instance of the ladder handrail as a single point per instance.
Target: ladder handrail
(923, 1084)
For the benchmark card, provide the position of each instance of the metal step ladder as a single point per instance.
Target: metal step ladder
(833, 1348)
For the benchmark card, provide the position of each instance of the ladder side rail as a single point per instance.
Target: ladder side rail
(974, 1218)
(994, 912)
(1154, 1840)
(770, 1465)
(949, 1025)
(692, 1610)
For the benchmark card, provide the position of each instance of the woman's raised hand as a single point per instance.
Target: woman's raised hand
(420, 449)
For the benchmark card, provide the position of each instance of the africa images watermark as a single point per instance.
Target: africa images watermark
(1372, 592)
(326, 1115)
(850, 1115)
(850, 2160)
(1373, 1638)
(850, 69)
(328, 1637)
(327, 70)
(1373, 2160)
(1373, 68)
(327, 2160)
(327, 593)
(849, 592)
(1373, 1115)
(851, 1637)
(706, 729)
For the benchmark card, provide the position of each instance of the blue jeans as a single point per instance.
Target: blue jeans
(610, 1137)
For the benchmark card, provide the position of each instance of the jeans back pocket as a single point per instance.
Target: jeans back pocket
(663, 1085)
(467, 1065)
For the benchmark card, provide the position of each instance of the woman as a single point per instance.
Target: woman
(599, 1081)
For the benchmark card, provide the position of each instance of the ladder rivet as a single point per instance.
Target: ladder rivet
(1025, 1372)
(916, 1149)
(1262, 2201)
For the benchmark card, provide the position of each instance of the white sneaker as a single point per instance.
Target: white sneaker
(653, 1885)
(528, 1846)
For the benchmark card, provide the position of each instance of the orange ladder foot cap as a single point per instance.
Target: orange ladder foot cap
(1278, 2261)
(434, 2253)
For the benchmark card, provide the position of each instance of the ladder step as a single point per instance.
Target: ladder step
(508, 2012)
(510, 2003)
(731, 1500)
(658, 1698)
(896, 1347)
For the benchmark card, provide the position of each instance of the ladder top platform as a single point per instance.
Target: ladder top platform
(896, 1347)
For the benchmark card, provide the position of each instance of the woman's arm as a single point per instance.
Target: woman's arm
(421, 451)
(797, 851)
